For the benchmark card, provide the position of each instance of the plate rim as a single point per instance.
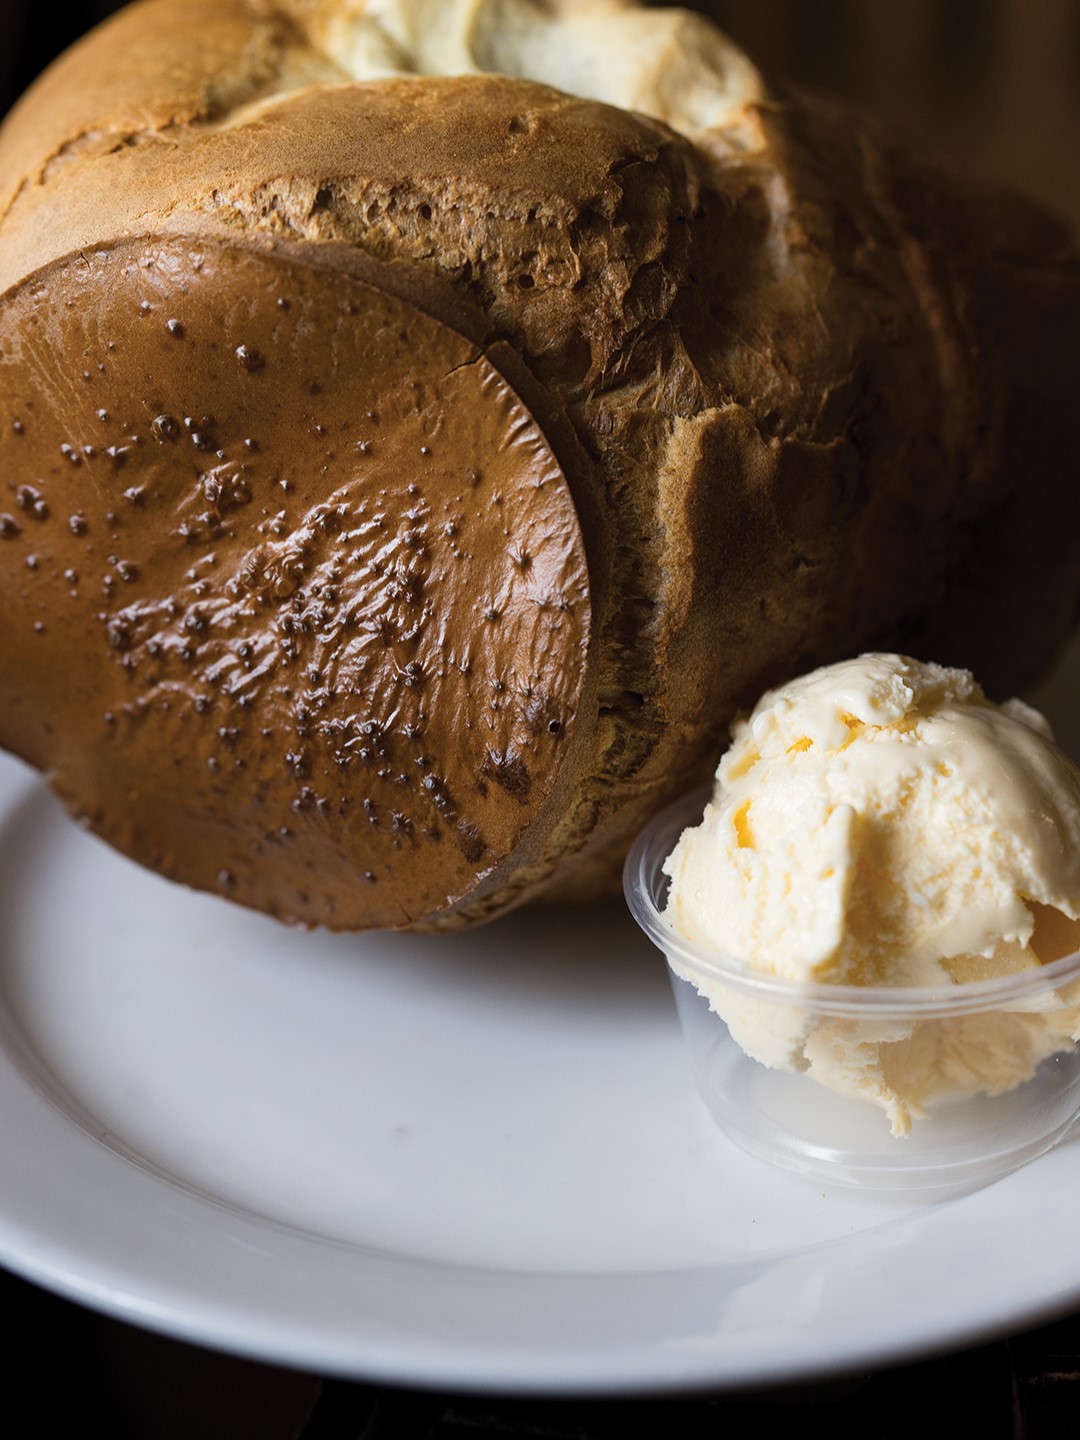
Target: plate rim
(169, 1225)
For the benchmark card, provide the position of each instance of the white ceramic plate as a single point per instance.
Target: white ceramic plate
(475, 1161)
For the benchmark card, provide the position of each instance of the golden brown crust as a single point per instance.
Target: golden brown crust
(329, 559)
(805, 397)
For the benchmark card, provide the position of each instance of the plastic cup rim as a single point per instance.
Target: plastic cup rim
(644, 882)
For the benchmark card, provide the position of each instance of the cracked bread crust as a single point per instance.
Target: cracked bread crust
(806, 394)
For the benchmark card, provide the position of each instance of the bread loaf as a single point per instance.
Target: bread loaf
(405, 476)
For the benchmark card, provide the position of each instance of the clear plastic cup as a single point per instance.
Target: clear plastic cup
(966, 1137)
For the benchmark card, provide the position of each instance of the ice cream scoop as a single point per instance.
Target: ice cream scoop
(880, 823)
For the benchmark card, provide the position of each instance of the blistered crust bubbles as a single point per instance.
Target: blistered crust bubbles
(317, 644)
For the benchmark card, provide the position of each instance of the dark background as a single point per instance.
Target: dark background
(993, 85)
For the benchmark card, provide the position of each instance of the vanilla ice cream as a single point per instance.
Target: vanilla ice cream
(881, 823)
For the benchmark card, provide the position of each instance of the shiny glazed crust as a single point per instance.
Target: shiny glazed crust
(658, 420)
